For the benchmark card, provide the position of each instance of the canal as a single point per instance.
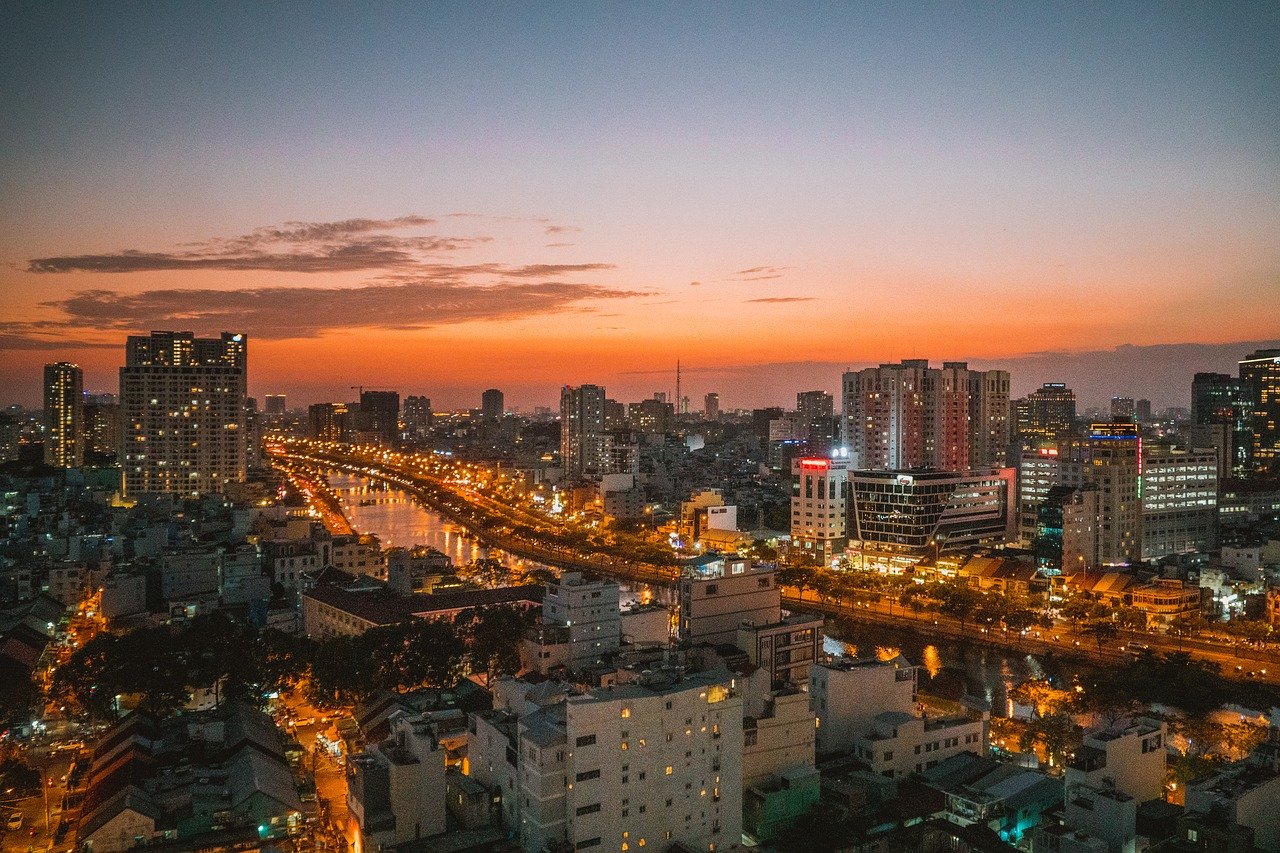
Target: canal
(397, 519)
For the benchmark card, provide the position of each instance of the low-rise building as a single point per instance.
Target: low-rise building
(771, 807)
(359, 555)
(778, 737)
(786, 648)
(1167, 599)
(899, 744)
(351, 608)
(216, 778)
(717, 596)
(1005, 799)
(396, 788)
(847, 695)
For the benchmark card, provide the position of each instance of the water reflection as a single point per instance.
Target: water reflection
(931, 660)
(988, 672)
(398, 520)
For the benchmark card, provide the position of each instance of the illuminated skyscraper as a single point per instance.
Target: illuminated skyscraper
(1222, 417)
(1046, 414)
(884, 415)
(1112, 498)
(182, 412)
(988, 419)
(330, 422)
(417, 413)
(909, 415)
(63, 415)
(582, 433)
(102, 425)
(1260, 373)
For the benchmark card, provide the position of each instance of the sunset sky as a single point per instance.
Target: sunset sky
(440, 198)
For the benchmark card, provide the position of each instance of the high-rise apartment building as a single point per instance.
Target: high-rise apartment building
(1260, 373)
(275, 404)
(1123, 409)
(63, 415)
(330, 422)
(182, 413)
(102, 425)
(417, 413)
(1222, 417)
(1179, 500)
(909, 415)
(582, 431)
(820, 505)
(492, 405)
(1046, 414)
(947, 434)
(816, 420)
(654, 416)
(380, 414)
(1108, 512)
(711, 407)
(988, 419)
(10, 436)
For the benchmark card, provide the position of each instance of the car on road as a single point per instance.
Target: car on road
(15, 820)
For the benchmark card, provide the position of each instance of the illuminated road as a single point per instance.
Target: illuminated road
(1064, 640)
(490, 520)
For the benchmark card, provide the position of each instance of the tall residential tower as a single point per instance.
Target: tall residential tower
(63, 415)
(182, 412)
(582, 434)
(1260, 373)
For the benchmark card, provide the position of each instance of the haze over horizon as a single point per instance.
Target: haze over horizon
(445, 198)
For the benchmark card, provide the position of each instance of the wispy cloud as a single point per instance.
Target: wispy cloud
(301, 312)
(349, 245)
(779, 300)
(762, 273)
(410, 286)
(562, 229)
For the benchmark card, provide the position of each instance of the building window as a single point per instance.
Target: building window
(588, 774)
(591, 809)
(586, 740)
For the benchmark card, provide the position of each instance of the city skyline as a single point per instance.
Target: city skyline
(449, 199)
